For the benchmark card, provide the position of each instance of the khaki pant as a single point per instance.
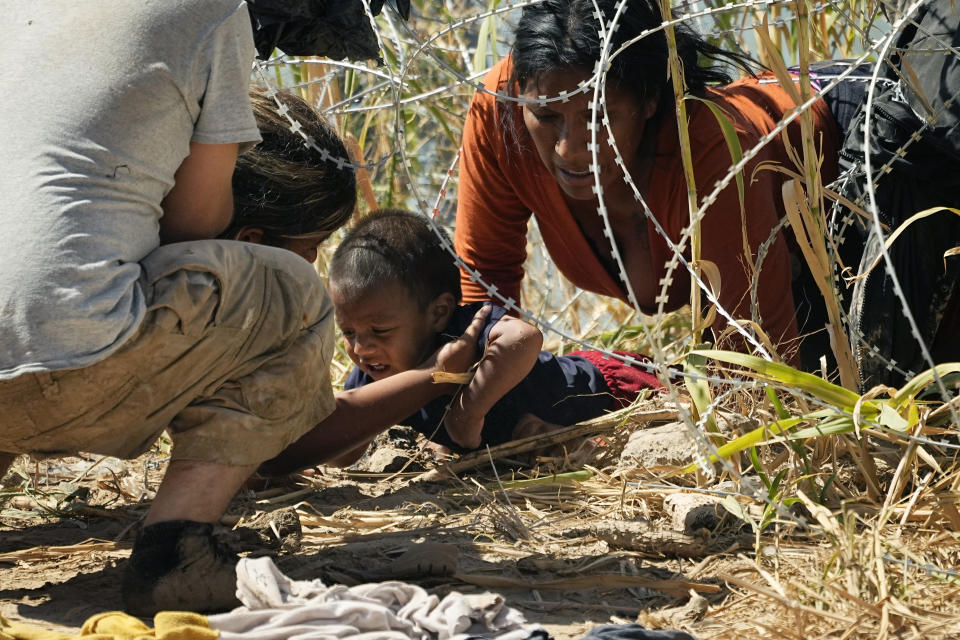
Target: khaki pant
(232, 357)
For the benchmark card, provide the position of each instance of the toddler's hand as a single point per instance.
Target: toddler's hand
(462, 427)
(459, 355)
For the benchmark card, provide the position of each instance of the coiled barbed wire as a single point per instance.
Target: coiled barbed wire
(392, 80)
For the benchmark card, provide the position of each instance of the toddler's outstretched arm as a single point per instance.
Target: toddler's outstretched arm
(362, 413)
(512, 349)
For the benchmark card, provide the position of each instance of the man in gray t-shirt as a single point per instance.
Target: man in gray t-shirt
(120, 317)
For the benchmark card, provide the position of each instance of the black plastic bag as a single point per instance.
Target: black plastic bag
(334, 29)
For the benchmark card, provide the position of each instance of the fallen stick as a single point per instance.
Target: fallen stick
(565, 604)
(35, 554)
(83, 509)
(523, 445)
(293, 495)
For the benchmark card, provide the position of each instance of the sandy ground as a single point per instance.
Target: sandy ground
(570, 554)
(355, 527)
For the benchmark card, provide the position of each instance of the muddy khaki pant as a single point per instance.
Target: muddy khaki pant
(232, 357)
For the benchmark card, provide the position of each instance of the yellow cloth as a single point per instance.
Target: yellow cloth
(116, 625)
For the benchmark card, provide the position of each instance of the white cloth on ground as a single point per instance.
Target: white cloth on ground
(278, 608)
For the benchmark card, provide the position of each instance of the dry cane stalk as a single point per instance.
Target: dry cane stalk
(588, 428)
(676, 74)
(333, 96)
(814, 220)
(805, 210)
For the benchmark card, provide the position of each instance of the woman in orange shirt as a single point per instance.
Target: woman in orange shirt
(533, 156)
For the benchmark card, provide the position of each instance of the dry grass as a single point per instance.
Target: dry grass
(859, 568)
(849, 534)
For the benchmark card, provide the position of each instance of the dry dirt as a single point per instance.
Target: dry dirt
(529, 544)
(570, 553)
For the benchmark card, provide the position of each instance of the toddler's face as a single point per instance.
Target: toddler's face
(386, 331)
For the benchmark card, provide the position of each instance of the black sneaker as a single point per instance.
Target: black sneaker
(179, 566)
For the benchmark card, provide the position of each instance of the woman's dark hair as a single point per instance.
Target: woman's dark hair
(286, 188)
(394, 246)
(561, 34)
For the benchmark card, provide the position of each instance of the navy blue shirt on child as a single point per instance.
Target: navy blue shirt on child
(562, 390)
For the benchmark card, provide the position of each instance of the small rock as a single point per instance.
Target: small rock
(729, 423)
(23, 503)
(277, 530)
(677, 617)
(387, 459)
(658, 448)
(690, 512)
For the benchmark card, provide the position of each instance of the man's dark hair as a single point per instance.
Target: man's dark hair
(392, 245)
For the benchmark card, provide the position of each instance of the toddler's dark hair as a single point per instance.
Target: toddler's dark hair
(284, 187)
(392, 245)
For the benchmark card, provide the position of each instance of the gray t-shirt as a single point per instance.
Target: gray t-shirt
(99, 105)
